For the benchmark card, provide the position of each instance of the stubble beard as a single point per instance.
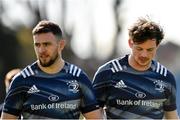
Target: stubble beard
(50, 62)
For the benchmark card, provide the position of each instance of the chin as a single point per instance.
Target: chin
(144, 64)
(45, 64)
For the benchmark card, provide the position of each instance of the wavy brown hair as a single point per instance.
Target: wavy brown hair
(145, 29)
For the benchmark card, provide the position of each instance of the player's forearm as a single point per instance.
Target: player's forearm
(96, 114)
(8, 116)
(171, 115)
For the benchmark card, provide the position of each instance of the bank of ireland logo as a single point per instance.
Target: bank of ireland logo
(53, 98)
(140, 95)
(73, 86)
(159, 85)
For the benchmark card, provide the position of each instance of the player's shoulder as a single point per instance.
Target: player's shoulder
(73, 69)
(29, 70)
(23, 74)
(75, 72)
(114, 65)
(164, 73)
(160, 69)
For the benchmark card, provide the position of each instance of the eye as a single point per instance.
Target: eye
(150, 49)
(139, 49)
(46, 44)
(36, 44)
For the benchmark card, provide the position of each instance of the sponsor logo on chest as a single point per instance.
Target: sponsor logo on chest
(120, 84)
(33, 89)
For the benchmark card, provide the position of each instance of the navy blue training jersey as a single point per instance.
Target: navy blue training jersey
(130, 94)
(35, 94)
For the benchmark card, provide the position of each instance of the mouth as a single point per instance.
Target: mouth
(43, 56)
(143, 59)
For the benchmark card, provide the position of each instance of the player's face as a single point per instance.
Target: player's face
(47, 48)
(143, 53)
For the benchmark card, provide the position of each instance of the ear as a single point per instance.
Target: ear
(130, 41)
(62, 44)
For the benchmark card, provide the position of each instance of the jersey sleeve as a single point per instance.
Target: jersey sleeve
(101, 83)
(88, 102)
(14, 99)
(170, 103)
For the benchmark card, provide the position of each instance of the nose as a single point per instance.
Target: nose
(144, 53)
(41, 49)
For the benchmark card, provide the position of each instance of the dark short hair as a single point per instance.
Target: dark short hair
(46, 26)
(145, 29)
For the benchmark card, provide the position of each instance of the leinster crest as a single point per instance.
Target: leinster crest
(73, 86)
(159, 85)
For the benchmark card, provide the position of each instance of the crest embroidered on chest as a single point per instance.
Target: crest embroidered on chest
(160, 85)
(73, 86)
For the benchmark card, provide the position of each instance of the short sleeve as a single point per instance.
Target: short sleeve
(170, 103)
(14, 99)
(89, 101)
(101, 83)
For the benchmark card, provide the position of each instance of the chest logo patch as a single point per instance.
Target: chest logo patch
(53, 98)
(33, 89)
(159, 85)
(140, 95)
(73, 86)
(120, 84)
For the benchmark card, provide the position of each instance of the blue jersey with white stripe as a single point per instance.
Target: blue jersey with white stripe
(130, 94)
(35, 94)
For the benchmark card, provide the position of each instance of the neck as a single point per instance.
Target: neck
(54, 68)
(132, 62)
